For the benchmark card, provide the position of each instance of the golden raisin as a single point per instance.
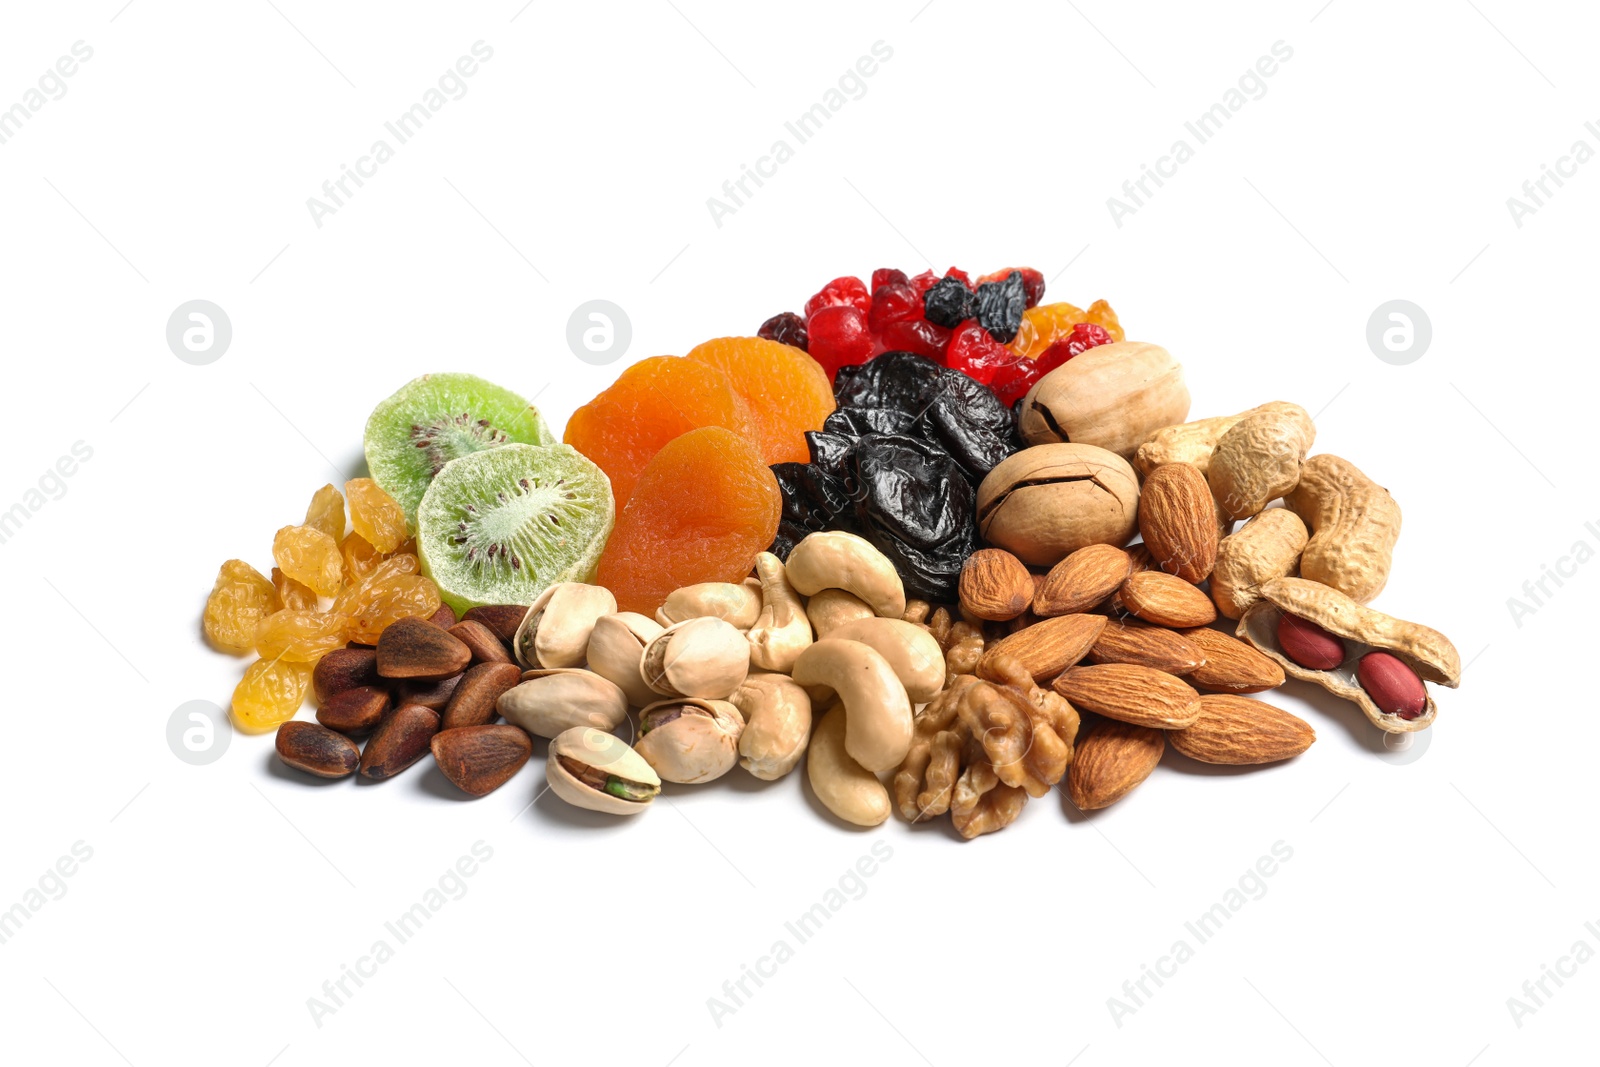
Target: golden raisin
(239, 600)
(292, 594)
(374, 514)
(270, 692)
(301, 636)
(387, 602)
(326, 513)
(311, 557)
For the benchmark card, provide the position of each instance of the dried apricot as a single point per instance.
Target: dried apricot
(375, 515)
(652, 402)
(239, 600)
(786, 389)
(702, 509)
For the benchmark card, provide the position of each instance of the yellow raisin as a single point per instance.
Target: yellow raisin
(1043, 326)
(326, 513)
(300, 636)
(309, 556)
(1101, 315)
(239, 600)
(357, 593)
(387, 602)
(375, 515)
(292, 594)
(359, 559)
(270, 692)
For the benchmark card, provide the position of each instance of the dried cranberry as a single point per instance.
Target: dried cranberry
(949, 303)
(1011, 383)
(892, 303)
(977, 355)
(887, 276)
(916, 335)
(924, 281)
(1083, 337)
(847, 290)
(960, 275)
(786, 328)
(1032, 282)
(839, 337)
(1000, 307)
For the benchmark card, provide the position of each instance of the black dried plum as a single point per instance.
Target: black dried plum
(855, 421)
(948, 303)
(911, 488)
(1000, 307)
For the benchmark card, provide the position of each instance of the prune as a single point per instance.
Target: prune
(962, 415)
(857, 421)
(949, 303)
(1000, 307)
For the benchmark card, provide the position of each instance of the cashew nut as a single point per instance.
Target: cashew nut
(737, 604)
(838, 560)
(777, 716)
(911, 651)
(782, 631)
(832, 608)
(845, 787)
(877, 710)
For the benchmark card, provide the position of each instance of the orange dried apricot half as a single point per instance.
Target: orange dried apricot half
(702, 509)
(786, 389)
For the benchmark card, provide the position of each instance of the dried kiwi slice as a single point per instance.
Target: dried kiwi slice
(438, 418)
(499, 526)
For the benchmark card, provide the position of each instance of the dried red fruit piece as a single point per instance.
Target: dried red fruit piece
(977, 355)
(839, 337)
(887, 276)
(786, 328)
(841, 292)
(894, 302)
(918, 336)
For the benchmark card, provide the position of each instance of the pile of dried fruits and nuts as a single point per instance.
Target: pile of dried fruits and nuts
(893, 538)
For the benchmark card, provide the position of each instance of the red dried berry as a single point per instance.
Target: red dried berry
(1032, 282)
(1011, 383)
(786, 328)
(924, 281)
(977, 355)
(892, 303)
(916, 335)
(1084, 336)
(887, 276)
(847, 291)
(839, 337)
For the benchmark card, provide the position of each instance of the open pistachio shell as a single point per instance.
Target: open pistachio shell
(615, 647)
(1424, 650)
(689, 740)
(549, 702)
(703, 657)
(593, 769)
(555, 631)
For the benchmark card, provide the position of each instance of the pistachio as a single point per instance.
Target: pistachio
(832, 608)
(690, 740)
(781, 632)
(548, 702)
(592, 769)
(703, 657)
(777, 724)
(555, 632)
(615, 647)
(738, 604)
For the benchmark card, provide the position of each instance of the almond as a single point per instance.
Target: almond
(995, 585)
(1178, 520)
(1236, 730)
(316, 749)
(1231, 665)
(1111, 761)
(1130, 693)
(476, 698)
(1131, 641)
(480, 759)
(1166, 600)
(413, 648)
(399, 741)
(1082, 580)
(485, 646)
(354, 711)
(1048, 647)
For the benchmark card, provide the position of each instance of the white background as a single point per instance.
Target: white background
(218, 899)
